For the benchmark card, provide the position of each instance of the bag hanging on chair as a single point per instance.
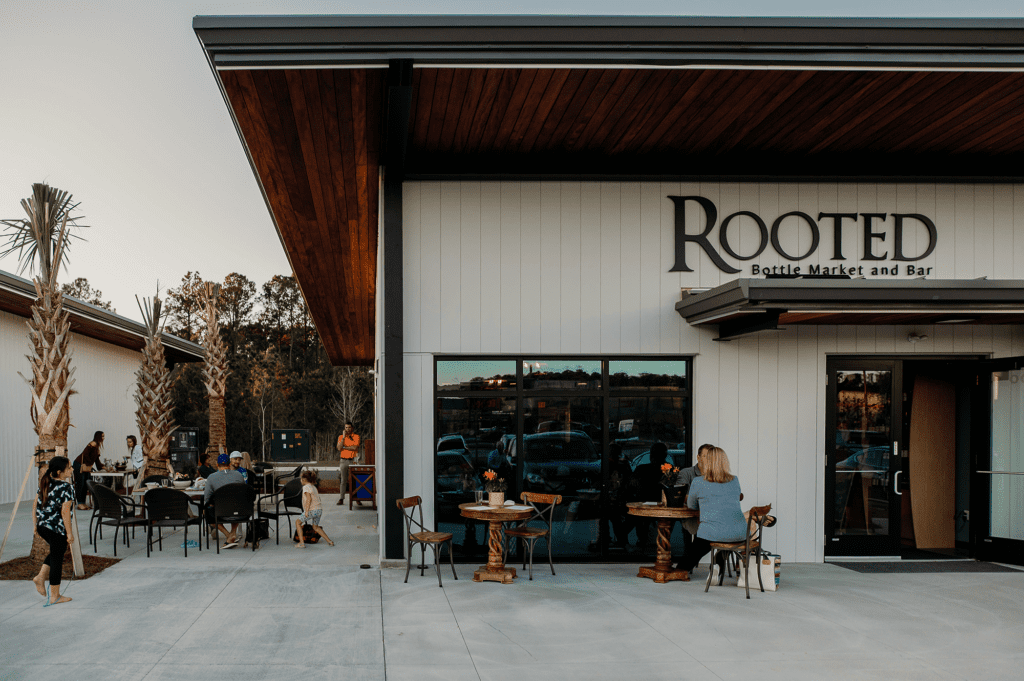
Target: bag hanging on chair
(769, 567)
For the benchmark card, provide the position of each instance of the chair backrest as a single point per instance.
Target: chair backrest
(756, 517)
(108, 502)
(543, 507)
(235, 500)
(166, 504)
(411, 509)
(291, 494)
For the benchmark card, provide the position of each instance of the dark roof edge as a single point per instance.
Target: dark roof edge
(90, 314)
(456, 21)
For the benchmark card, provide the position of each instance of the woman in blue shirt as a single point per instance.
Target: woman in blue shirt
(53, 523)
(716, 494)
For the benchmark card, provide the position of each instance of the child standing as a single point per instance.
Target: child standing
(311, 509)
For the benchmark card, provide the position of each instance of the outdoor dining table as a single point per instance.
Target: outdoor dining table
(666, 516)
(495, 570)
(113, 475)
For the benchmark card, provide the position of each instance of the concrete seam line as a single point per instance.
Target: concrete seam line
(456, 618)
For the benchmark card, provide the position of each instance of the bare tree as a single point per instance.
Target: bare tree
(263, 387)
(353, 398)
(41, 241)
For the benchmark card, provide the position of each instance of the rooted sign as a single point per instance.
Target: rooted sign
(872, 226)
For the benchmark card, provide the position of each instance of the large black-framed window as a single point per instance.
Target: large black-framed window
(579, 426)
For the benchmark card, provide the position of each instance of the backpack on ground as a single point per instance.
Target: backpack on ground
(309, 535)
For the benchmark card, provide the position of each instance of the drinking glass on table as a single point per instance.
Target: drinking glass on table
(479, 495)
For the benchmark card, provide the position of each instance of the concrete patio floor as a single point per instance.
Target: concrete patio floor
(282, 613)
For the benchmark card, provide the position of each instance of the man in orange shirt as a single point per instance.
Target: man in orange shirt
(348, 448)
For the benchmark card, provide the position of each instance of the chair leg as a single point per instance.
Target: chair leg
(116, 528)
(533, 545)
(437, 563)
(149, 539)
(451, 558)
(711, 570)
(186, 539)
(758, 565)
(551, 562)
(423, 558)
(408, 562)
(746, 570)
(277, 530)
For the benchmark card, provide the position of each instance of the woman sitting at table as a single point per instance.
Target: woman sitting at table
(716, 494)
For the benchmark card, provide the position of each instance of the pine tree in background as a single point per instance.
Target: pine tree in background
(154, 414)
(215, 370)
(41, 241)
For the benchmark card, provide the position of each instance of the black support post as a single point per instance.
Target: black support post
(398, 105)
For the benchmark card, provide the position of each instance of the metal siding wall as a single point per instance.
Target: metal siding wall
(105, 384)
(582, 267)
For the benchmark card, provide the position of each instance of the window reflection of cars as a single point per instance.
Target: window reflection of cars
(865, 451)
(676, 457)
(448, 442)
(454, 472)
(560, 462)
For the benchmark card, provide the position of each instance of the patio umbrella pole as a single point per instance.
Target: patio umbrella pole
(17, 501)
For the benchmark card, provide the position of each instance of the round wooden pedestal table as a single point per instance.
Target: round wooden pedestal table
(495, 570)
(666, 516)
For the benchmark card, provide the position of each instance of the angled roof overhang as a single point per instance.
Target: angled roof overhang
(745, 306)
(18, 294)
(324, 104)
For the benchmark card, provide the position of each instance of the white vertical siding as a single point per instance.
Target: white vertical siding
(583, 268)
(105, 383)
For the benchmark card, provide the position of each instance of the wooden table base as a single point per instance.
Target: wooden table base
(662, 576)
(662, 571)
(485, 573)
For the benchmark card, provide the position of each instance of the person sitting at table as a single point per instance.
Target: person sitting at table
(205, 470)
(716, 494)
(224, 476)
(236, 465)
(685, 478)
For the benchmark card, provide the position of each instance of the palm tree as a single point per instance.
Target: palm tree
(154, 415)
(215, 370)
(41, 241)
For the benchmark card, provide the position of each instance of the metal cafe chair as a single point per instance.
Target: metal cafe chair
(413, 513)
(231, 504)
(287, 503)
(544, 511)
(112, 509)
(743, 550)
(169, 508)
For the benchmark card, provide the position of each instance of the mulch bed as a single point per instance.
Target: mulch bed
(27, 568)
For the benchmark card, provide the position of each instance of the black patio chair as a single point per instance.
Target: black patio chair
(113, 510)
(294, 475)
(231, 504)
(287, 503)
(169, 508)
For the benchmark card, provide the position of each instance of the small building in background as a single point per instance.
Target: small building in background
(106, 353)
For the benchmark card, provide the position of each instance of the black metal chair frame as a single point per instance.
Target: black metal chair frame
(751, 547)
(232, 504)
(118, 511)
(167, 507)
(411, 507)
(288, 476)
(292, 506)
(545, 513)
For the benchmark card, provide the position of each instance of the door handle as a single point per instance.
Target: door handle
(896, 485)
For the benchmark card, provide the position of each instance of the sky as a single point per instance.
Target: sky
(114, 102)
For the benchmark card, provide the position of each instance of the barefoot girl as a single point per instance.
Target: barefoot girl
(311, 508)
(53, 523)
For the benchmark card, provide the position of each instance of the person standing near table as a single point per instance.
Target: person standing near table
(348, 449)
(83, 466)
(52, 511)
(716, 494)
(135, 459)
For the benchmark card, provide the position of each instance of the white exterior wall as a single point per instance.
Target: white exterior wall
(104, 379)
(560, 268)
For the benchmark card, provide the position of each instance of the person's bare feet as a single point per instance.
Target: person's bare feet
(60, 599)
(39, 585)
(300, 546)
(330, 543)
(83, 507)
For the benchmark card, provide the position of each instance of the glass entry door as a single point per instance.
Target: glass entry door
(862, 462)
(999, 465)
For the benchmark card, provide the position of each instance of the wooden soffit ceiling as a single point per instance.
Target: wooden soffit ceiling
(720, 122)
(313, 138)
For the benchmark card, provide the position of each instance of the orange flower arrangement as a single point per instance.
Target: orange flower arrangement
(492, 483)
(668, 474)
